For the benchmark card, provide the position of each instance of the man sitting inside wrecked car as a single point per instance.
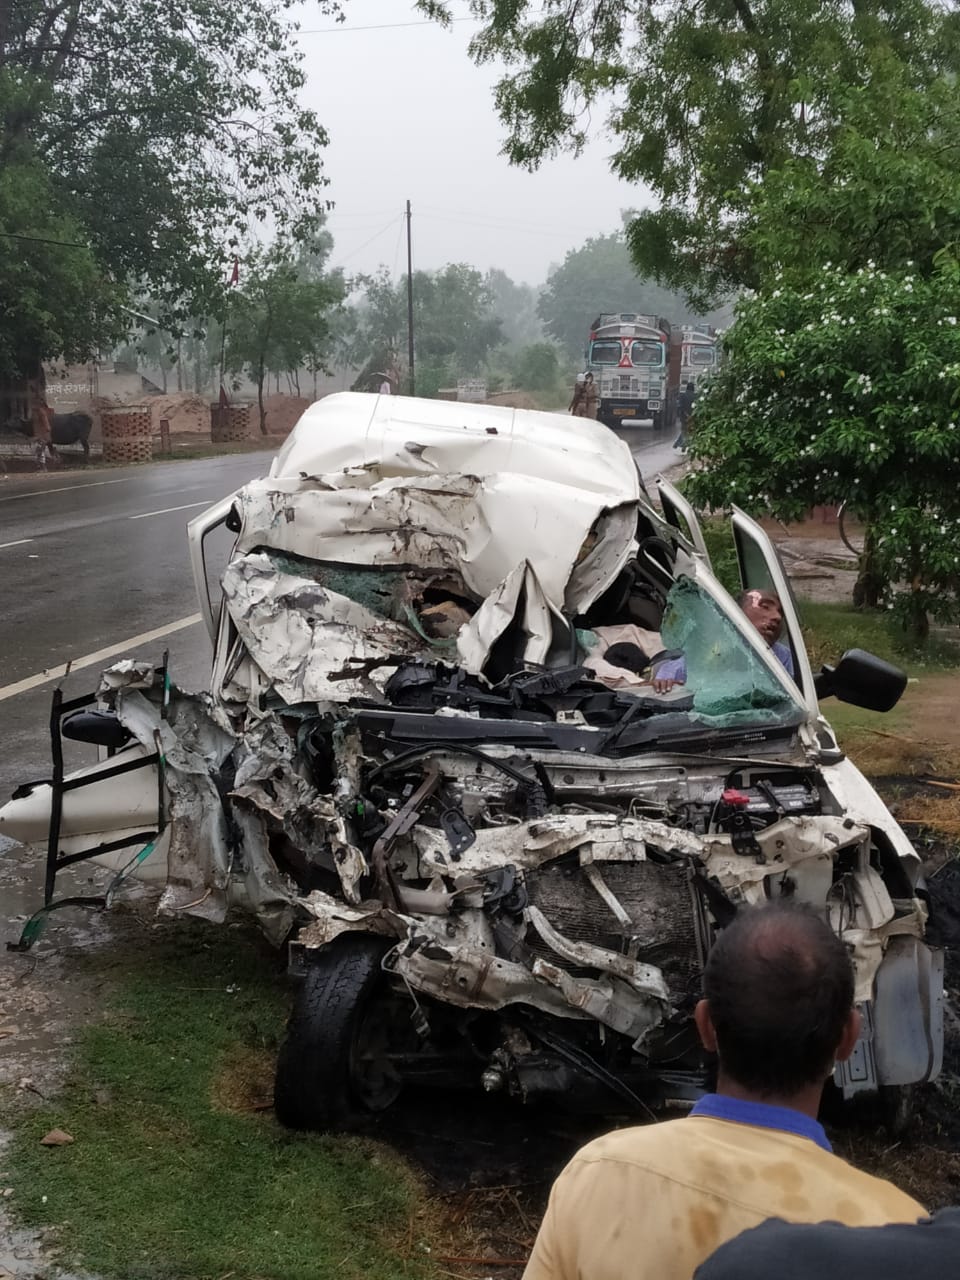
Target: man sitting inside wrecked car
(651, 1203)
(764, 610)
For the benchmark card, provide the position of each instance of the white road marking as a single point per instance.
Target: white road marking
(64, 488)
(90, 659)
(165, 510)
(19, 543)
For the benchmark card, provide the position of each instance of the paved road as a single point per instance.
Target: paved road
(93, 560)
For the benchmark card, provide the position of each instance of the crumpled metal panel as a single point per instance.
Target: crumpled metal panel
(480, 529)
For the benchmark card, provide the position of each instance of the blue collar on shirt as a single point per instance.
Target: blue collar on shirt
(718, 1106)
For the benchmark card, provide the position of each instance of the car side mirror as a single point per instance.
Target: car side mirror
(862, 679)
(102, 728)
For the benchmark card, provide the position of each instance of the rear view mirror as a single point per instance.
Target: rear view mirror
(862, 679)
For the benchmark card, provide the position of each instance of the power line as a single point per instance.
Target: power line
(360, 247)
(490, 219)
(396, 251)
(64, 244)
(517, 229)
(380, 26)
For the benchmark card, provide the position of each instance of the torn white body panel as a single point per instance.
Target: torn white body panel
(432, 727)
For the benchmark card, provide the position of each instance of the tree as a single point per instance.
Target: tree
(599, 276)
(454, 325)
(886, 190)
(536, 367)
(56, 298)
(152, 153)
(280, 318)
(882, 202)
(702, 100)
(847, 391)
(515, 306)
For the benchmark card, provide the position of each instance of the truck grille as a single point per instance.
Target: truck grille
(629, 386)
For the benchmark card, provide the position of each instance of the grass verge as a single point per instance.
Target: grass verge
(178, 1168)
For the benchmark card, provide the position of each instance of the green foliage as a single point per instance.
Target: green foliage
(702, 100)
(454, 325)
(56, 297)
(157, 140)
(718, 536)
(280, 316)
(599, 276)
(887, 189)
(536, 367)
(845, 390)
(176, 1169)
(515, 306)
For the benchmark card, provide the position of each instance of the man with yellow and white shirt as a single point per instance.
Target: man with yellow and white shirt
(651, 1203)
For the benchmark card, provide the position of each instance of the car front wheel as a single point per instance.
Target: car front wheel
(336, 1061)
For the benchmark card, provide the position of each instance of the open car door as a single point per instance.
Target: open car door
(678, 512)
(761, 569)
(205, 576)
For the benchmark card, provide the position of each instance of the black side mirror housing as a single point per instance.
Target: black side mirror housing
(862, 679)
(102, 728)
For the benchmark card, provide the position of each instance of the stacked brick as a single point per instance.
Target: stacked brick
(230, 422)
(127, 433)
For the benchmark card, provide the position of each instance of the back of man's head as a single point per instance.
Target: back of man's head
(779, 985)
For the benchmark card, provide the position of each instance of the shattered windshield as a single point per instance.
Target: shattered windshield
(728, 680)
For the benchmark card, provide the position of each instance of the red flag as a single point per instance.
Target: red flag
(235, 273)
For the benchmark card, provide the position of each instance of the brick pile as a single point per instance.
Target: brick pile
(127, 433)
(230, 422)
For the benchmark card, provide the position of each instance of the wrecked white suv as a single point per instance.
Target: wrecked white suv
(433, 760)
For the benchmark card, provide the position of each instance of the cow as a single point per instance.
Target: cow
(65, 428)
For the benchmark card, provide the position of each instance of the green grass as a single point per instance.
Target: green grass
(176, 1170)
(829, 629)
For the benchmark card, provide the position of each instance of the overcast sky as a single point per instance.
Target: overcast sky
(411, 117)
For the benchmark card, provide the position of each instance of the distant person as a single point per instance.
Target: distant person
(653, 1202)
(385, 387)
(828, 1251)
(765, 611)
(576, 404)
(591, 397)
(685, 402)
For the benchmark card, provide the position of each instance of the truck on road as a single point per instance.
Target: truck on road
(693, 354)
(628, 355)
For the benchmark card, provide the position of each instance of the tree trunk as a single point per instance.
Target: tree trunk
(179, 364)
(917, 623)
(261, 374)
(871, 582)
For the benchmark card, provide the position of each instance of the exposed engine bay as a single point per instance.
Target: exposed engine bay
(434, 760)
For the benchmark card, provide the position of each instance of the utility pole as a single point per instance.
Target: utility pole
(413, 382)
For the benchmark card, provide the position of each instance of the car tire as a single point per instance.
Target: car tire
(898, 1103)
(323, 1080)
